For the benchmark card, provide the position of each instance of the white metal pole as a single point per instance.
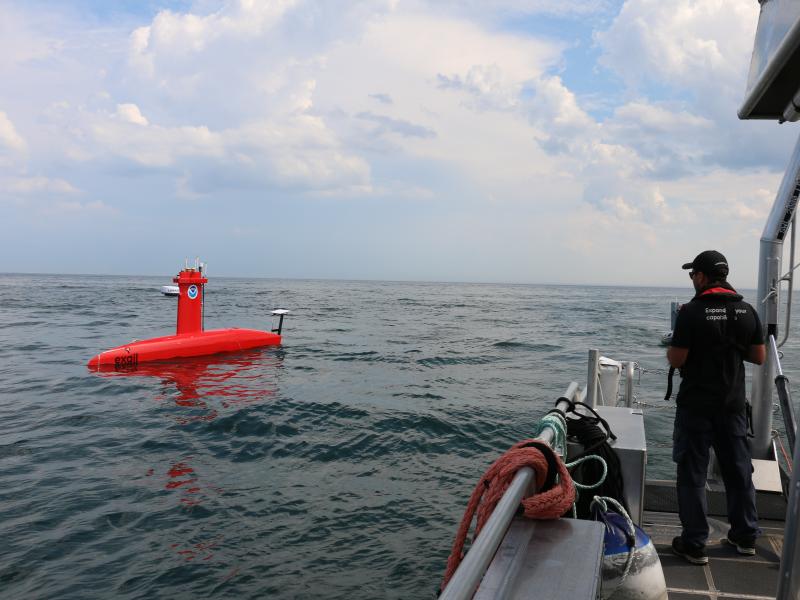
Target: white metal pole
(629, 384)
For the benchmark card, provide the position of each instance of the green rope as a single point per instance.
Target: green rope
(557, 423)
(592, 486)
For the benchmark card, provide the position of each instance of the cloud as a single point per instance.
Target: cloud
(636, 230)
(153, 146)
(294, 149)
(34, 185)
(480, 10)
(131, 114)
(22, 43)
(470, 98)
(382, 98)
(565, 127)
(689, 58)
(681, 42)
(668, 140)
(182, 37)
(247, 123)
(62, 208)
(655, 120)
(10, 140)
(288, 118)
(399, 126)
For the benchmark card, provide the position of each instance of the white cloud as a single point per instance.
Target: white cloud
(685, 64)
(131, 114)
(480, 10)
(153, 146)
(620, 208)
(34, 185)
(457, 98)
(61, 208)
(296, 150)
(641, 231)
(658, 119)
(187, 33)
(682, 42)
(21, 43)
(9, 138)
(183, 37)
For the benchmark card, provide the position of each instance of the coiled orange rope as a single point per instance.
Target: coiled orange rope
(548, 504)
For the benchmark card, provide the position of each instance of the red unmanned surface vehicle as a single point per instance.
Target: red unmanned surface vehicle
(190, 338)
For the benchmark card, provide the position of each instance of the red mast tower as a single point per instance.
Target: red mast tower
(190, 299)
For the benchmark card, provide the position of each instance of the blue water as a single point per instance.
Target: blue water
(335, 466)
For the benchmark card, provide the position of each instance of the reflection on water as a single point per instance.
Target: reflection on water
(201, 389)
(200, 551)
(181, 475)
(207, 384)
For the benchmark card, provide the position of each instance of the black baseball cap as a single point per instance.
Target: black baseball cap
(710, 262)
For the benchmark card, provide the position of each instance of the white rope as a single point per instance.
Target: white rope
(602, 501)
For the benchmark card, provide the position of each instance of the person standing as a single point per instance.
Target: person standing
(714, 333)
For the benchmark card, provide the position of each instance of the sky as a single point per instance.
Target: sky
(517, 141)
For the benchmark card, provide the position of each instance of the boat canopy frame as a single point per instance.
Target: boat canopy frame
(773, 90)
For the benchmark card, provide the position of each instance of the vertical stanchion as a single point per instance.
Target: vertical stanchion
(629, 384)
(591, 378)
(784, 395)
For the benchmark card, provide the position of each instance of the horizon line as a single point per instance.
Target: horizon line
(366, 280)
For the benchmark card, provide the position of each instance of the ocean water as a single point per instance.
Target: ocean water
(335, 466)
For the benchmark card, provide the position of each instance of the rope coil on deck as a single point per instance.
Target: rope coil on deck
(589, 429)
(556, 490)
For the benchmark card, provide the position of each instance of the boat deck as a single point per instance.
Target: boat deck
(727, 575)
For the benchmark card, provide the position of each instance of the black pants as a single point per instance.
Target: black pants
(726, 432)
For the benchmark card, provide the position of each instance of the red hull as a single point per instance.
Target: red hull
(184, 345)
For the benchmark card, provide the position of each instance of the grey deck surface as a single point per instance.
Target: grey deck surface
(727, 575)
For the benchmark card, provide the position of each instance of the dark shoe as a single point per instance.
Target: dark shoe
(694, 554)
(744, 545)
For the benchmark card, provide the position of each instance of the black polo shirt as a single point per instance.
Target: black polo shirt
(718, 328)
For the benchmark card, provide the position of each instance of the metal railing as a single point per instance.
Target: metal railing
(789, 277)
(784, 395)
(470, 572)
(789, 576)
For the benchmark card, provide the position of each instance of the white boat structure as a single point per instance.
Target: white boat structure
(170, 290)
(514, 557)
